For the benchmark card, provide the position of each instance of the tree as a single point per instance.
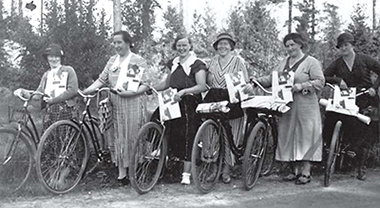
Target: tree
(253, 26)
(330, 32)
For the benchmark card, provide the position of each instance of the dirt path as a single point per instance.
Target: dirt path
(345, 191)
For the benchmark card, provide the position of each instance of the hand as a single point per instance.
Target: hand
(297, 87)
(125, 93)
(248, 89)
(177, 97)
(371, 92)
(48, 100)
(343, 85)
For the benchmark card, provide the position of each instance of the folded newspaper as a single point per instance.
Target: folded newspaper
(215, 107)
(282, 84)
(235, 84)
(266, 102)
(169, 109)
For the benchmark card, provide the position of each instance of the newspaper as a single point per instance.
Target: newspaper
(169, 109)
(215, 107)
(132, 79)
(344, 102)
(235, 85)
(266, 102)
(56, 84)
(282, 84)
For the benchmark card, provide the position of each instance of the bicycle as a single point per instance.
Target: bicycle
(337, 147)
(149, 154)
(209, 145)
(18, 146)
(69, 149)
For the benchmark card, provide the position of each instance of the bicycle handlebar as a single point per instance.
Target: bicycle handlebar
(18, 93)
(362, 91)
(260, 86)
(97, 91)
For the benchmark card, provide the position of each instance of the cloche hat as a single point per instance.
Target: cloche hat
(222, 36)
(345, 38)
(54, 50)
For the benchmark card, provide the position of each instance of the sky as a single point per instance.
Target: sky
(221, 10)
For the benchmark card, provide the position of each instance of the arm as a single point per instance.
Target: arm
(200, 78)
(330, 74)
(374, 66)
(316, 78)
(97, 84)
(71, 89)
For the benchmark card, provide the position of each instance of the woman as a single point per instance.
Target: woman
(226, 62)
(129, 107)
(353, 70)
(60, 84)
(187, 75)
(299, 136)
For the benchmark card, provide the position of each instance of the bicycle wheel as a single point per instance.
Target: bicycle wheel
(332, 153)
(206, 156)
(16, 159)
(93, 157)
(61, 157)
(254, 155)
(147, 158)
(270, 151)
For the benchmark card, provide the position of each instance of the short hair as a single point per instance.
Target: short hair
(125, 36)
(180, 37)
(297, 38)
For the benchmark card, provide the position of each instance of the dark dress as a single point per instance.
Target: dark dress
(181, 131)
(357, 133)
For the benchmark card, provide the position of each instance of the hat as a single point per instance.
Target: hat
(345, 38)
(54, 50)
(222, 36)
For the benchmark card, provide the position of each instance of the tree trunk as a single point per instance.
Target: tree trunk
(13, 9)
(20, 8)
(1, 11)
(290, 16)
(373, 15)
(116, 15)
(313, 20)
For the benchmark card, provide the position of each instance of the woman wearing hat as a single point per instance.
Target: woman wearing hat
(60, 84)
(187, 74)
(129, 106)
(353, 69)
(226, 62)
(300, 129)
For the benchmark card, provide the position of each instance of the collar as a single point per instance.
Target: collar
(185, 65)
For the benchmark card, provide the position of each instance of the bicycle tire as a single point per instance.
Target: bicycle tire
(148, 157)
(254, 155)
(332, 154)
(270, 152)
(15, 168)
(61, 157)
(93, 159)
(207, 156)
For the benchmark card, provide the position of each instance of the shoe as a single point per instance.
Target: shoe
(291, 177)
(156, 153)
(226, 178)
(185, 179)
(361, 176)
(123, 182)
(303, 179)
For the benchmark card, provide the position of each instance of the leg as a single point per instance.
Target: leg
(305, 167)
(186, 173)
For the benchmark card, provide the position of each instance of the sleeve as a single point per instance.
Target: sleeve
(374, 66)
(317, 80)
(197, 66)
(330, 73)
(72, 87)
(40, 87)
(103, 77)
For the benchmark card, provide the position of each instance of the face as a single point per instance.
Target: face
(224, 47)
(346, 48)
(54, 61)
(120, 46)
(183, 47)
(292, 48)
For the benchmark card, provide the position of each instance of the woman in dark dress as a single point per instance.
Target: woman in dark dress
(187, 75)
(353, 70)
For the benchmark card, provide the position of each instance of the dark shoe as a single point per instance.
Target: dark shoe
(226, 178)
(291, 177)
(302, 180)
(123, 182)
(361, 176)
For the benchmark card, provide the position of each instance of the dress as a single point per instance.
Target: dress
(217, 81)
(300, 129)
(181, 131)
(358, 134)
(128, 112)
